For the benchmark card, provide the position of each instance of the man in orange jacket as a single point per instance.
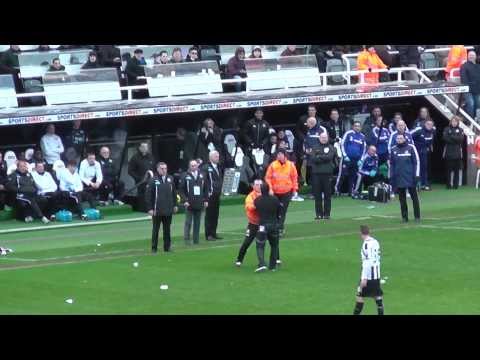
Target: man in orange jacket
(282, 178)
(369, 60)
(253, 220)
(456, 57)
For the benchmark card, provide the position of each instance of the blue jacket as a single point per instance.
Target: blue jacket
(393, 139)
(423, 139)
(368, 163)
(392, 127)
(381, 142)
(354, 145)
(404, 166)
(312, 137)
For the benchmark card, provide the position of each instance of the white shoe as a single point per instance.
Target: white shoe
(118, 202)
(261, 269)
(28, 219)
(297, 198)
(392, 196)
(103, 203)
(45, 220)
(238, 264)
(279, 262)
(408, 195)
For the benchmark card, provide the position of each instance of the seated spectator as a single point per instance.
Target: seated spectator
(369, 60)
(91, 175)
(134, 68)
(192, 55)
(209, 139)
(43, 48)
(176, 56)
(160, 58)
(56, 66)
(291, 50)
(51, 145)
(256, 52)
(22, 184)
(92, 62)
(111, 181)
(236, 67)
(72, 189)
(456, 57)
(48, 196)
(108, 55)
(3, 182)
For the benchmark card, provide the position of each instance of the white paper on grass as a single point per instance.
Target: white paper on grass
(163, 287)
(69, 301)
(135, 264)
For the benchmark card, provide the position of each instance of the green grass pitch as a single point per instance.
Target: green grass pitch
(432, 267)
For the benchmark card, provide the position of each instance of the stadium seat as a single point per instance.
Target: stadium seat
(209, 54)
(334, 65)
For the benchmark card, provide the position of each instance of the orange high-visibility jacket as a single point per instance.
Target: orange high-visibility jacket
(250, 210)
(456, 57)
(477, 151)
(282, 178)
(365, 61)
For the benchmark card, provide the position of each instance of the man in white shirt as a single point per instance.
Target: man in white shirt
(91, 174)
(48, 196)
(370, 277)
(72, 189)
(52, 146)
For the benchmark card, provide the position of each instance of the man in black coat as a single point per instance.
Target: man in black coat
(214, 177)
(111, 181)
(108, 55)
(134, 67)
(409, 57)
(453, 137)
(194, 193)
(140, 168)
(470, 75)
(161, 199)
(255, 131)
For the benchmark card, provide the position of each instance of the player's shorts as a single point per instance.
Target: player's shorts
(372, 289)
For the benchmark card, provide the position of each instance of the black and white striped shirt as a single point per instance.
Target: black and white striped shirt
(370, 259)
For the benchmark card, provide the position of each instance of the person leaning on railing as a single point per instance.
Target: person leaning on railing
(369, 60)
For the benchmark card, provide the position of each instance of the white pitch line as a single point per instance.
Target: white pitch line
(6, 257)
(451, 227)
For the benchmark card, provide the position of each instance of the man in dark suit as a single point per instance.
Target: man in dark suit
(214, 178)
(161, 199)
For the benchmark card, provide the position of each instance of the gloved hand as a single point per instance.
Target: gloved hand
(346, 159)
(373, 173)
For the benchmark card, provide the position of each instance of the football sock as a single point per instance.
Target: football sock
(379, 306)
(358, 308)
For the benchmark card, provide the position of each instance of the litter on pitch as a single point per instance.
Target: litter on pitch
(99, 244)
(163, 287)
(370, 207)
(69, 301)
(135, 264)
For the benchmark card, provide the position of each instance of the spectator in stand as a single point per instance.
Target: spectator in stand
(92, 62)
(209, 139)
(140, 168)
(52, 146)
(3, 182)
(323, 53)
(91, 174)
(56, 65)
(369, 122)
(456, 57)
(161, 58)
(9, 65)
(291, 50)
(423, 115)
(72, 189)
(255, 132)
(192, 55)
(134, 68)
(48, 196)
(453, 137)
(369, 60)
(255, 61)
(43, 48)
(423, 137)
(236, 67)
(22, 184)
(470, 75)
(111, 178)
(76, 140)
(108, 55)
(256, 52)
(388, 59)
(176, 56)
(409, 56)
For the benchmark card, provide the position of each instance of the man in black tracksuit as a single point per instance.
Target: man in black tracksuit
(255, 132)
(138, 167)
(268, 208)
(453, 153)
(324, 158)
(21, 182)
(194, 194)
(161, 199)
(111, 181)
(214, 179)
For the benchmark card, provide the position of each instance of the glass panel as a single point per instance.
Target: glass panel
(149, 50)
(6, 82)
(86, 75)
(281, 63)
(35, 64)
(7, 92)
(183, 69)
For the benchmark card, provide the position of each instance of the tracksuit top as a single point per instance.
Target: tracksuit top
(354, 144)
(44, 182)
(368, 163)
(423, 138)
(393, 139)
(404, 166)
(380, 140)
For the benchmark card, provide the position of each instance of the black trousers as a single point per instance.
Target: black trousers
(27, 206)
(3, 199)
(166, 221)
(250, 235)
(111, 185)
(73, 201)
(322, 191)
(298, 165)
(402, 194)
(90, 195)
(285, 201)
(270, 232)
(211, 216)
(49, 203)
(453, 166)
(141, 204)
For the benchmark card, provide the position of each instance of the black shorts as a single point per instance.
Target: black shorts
(372, 289)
